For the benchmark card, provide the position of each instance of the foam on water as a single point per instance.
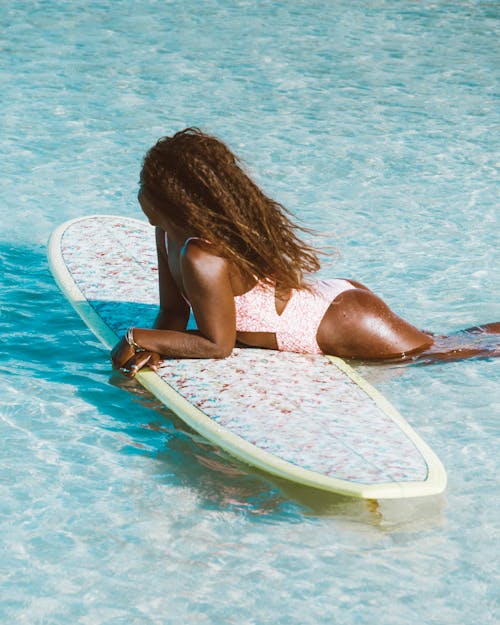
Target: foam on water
(374, 122)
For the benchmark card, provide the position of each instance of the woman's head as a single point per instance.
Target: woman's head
(196, 183)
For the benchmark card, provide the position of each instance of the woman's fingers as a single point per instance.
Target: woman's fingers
(135, 364)
(154, 361)
(140, 360)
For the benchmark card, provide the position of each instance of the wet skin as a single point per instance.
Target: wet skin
(357, 325)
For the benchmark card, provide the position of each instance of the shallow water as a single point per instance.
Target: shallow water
(374, 122)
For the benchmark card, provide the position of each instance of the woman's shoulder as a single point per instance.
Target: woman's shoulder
(202, 255)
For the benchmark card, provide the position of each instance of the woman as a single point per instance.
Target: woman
(232, 255)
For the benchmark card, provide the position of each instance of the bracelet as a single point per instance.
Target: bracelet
(129, 337)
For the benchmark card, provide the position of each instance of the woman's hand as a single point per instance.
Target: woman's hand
(129, 360)
(140, 360)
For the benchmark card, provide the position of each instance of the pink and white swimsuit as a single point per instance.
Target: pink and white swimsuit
(296, 327)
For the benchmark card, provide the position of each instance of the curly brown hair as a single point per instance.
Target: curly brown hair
(197, 182)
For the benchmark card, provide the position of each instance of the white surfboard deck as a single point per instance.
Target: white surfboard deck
(306, 418)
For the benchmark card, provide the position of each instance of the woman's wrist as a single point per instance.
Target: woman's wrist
(129, 337)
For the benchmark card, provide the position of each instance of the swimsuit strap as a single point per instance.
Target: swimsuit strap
(196, 239)
(186, 241)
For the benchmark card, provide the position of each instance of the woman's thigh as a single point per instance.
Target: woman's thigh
(358, 324)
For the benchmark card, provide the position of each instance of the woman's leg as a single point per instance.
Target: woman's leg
(487, 328)
(359, 325)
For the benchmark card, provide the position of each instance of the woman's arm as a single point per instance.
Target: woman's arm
(207, 285)
(174, 310)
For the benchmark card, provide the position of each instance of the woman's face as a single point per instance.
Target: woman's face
(154, 216)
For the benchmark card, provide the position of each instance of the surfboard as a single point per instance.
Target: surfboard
(310, 419)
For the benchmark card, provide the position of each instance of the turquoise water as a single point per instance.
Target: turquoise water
(377, 124)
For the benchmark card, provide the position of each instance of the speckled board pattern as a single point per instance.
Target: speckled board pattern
(308, 418)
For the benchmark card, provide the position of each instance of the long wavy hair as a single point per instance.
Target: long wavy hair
(197, 183)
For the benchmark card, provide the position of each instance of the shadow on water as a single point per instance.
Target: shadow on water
(44, 338)
(228, 483)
